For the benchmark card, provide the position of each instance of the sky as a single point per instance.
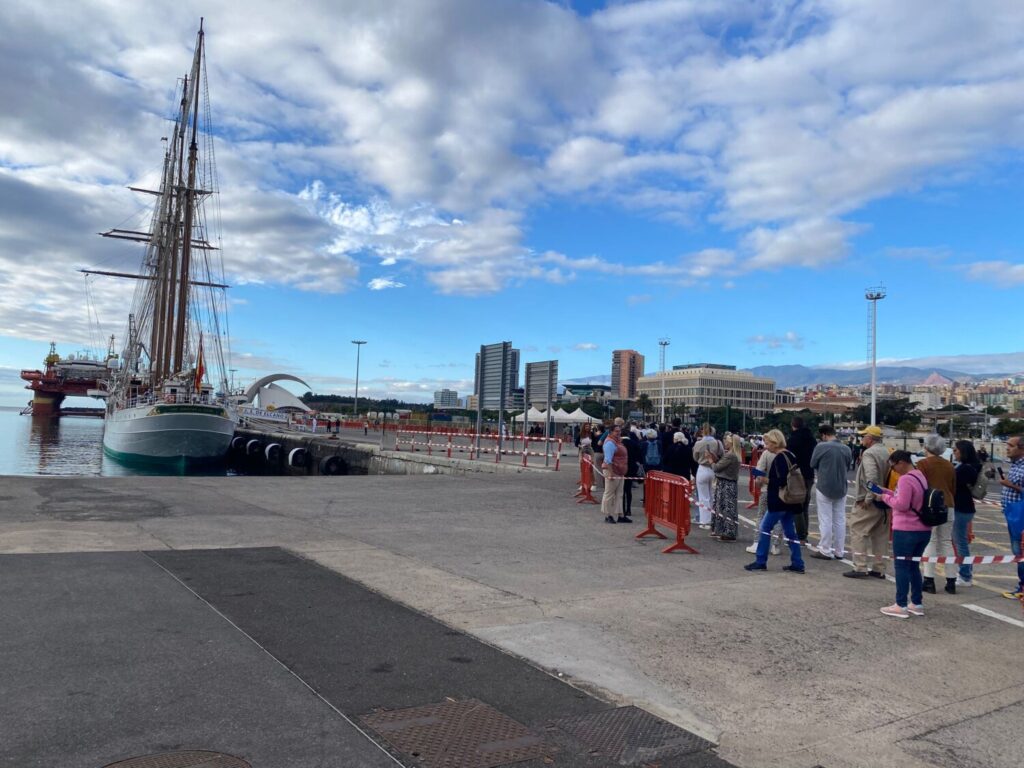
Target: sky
(573, 177)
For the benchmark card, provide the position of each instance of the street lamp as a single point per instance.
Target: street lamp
(873, 295)
(663, 343)
(355, 406)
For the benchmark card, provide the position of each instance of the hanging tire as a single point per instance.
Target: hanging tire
(237, 443)
(333, 465)
(273, 453)
(253, 447)
(298, 458)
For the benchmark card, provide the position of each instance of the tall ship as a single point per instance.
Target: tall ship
(160, 403)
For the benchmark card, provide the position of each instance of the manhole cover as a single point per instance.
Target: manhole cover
(457, 734)
(182, 760)
(630, 736)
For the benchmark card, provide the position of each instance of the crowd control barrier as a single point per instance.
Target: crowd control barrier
(445, 444)
(667, 502)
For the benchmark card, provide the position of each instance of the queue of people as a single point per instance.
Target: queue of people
(892, 492)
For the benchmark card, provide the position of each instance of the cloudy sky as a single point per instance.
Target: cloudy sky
(573, 177)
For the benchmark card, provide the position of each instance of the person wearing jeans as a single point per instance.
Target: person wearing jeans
(1013, 491)
(910, 536)
(779, 512)
(968, 468)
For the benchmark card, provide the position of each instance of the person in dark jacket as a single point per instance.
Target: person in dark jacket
(968, 468)
(634, 461)
(679, 460)
(801, 444)
(778, 512)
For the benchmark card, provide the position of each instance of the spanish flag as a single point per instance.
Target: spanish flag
(200, 365)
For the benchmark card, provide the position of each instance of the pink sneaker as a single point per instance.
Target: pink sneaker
(895, 611)
(916, 610)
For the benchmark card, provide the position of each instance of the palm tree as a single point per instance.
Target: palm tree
(643, 402)
(679, 409)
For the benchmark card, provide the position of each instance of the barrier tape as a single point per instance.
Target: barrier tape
(969, 560)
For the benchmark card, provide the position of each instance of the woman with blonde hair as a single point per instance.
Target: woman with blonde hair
(727, 475)
(764, 462)
(779, 511)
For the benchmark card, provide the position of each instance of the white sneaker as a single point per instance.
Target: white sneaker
(915, 610)
(895, 611)
(752, 549)
(961, 583)
(776, 550)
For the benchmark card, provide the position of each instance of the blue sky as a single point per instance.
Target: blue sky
(573, 177)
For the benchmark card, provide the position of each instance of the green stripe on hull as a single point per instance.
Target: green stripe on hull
(181, 463)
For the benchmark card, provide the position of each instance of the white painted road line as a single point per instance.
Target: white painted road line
(993, 614)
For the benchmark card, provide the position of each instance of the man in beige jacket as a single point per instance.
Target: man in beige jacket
(868, 524)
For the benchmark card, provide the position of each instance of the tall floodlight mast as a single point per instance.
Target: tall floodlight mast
(663, 343)
(873, 295)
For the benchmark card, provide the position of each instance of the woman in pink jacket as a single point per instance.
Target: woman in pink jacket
(909, 535)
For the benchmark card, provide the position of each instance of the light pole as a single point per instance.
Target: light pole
(355, 406)
(874, 295)
(663, 343)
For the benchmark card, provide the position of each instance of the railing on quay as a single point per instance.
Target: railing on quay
(447, 445)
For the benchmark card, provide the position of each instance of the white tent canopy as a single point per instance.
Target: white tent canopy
(558, 416)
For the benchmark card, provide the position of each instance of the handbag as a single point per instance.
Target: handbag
(1014, 513)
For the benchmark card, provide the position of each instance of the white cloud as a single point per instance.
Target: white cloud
(425, 133)
(1003, 274)
(585, 346)
(789, 339)
(383, 283)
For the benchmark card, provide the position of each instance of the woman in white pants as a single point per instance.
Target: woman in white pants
(706, 452)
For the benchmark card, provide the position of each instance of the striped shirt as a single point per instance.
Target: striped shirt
(1015, 476)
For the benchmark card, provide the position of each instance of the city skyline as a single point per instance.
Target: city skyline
(577, 177)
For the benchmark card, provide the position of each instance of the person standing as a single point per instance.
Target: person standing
(727, 475)
(909, 535)
(764, 463)
(801, 444)
(1013, 492)
(679, 459)
(634, 468)
(705, 453)
(616, 461)
(831, 461)
(868, 520)
(779, 512)
(968, 469)
(940, 474)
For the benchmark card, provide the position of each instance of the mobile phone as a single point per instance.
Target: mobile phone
(1001, 475)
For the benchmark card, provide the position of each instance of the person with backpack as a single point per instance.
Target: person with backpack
(910, 534)
(652, 450)
(939, 473)
(634, 468)
(786, 492)
(971, 484)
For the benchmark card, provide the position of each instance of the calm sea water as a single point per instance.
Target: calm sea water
(70, 445)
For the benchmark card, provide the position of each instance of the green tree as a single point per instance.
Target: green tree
(906, 427)
(891, 412)
(643, 402)
(1009, 427)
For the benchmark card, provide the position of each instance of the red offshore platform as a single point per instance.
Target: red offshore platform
(75, 376)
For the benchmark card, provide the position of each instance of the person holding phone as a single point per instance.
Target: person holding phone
(1013, 493)
(910, 536)
(868, 521)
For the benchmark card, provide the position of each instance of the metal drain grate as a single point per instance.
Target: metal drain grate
(457, 734)
(182, 760)
(630, 736)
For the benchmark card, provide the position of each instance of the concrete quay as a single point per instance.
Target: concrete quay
(353, 453)
(776, 669)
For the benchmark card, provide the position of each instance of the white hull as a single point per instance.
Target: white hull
(168, 433)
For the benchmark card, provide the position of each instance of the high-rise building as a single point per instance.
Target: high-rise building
(491, 397)
(627, 368)
(707, 385)
(446, 398)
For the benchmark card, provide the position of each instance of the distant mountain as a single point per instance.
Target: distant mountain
(803, 376)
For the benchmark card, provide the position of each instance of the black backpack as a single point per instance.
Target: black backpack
(933, 510)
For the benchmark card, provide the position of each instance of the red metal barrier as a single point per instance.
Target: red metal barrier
(667, 502)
